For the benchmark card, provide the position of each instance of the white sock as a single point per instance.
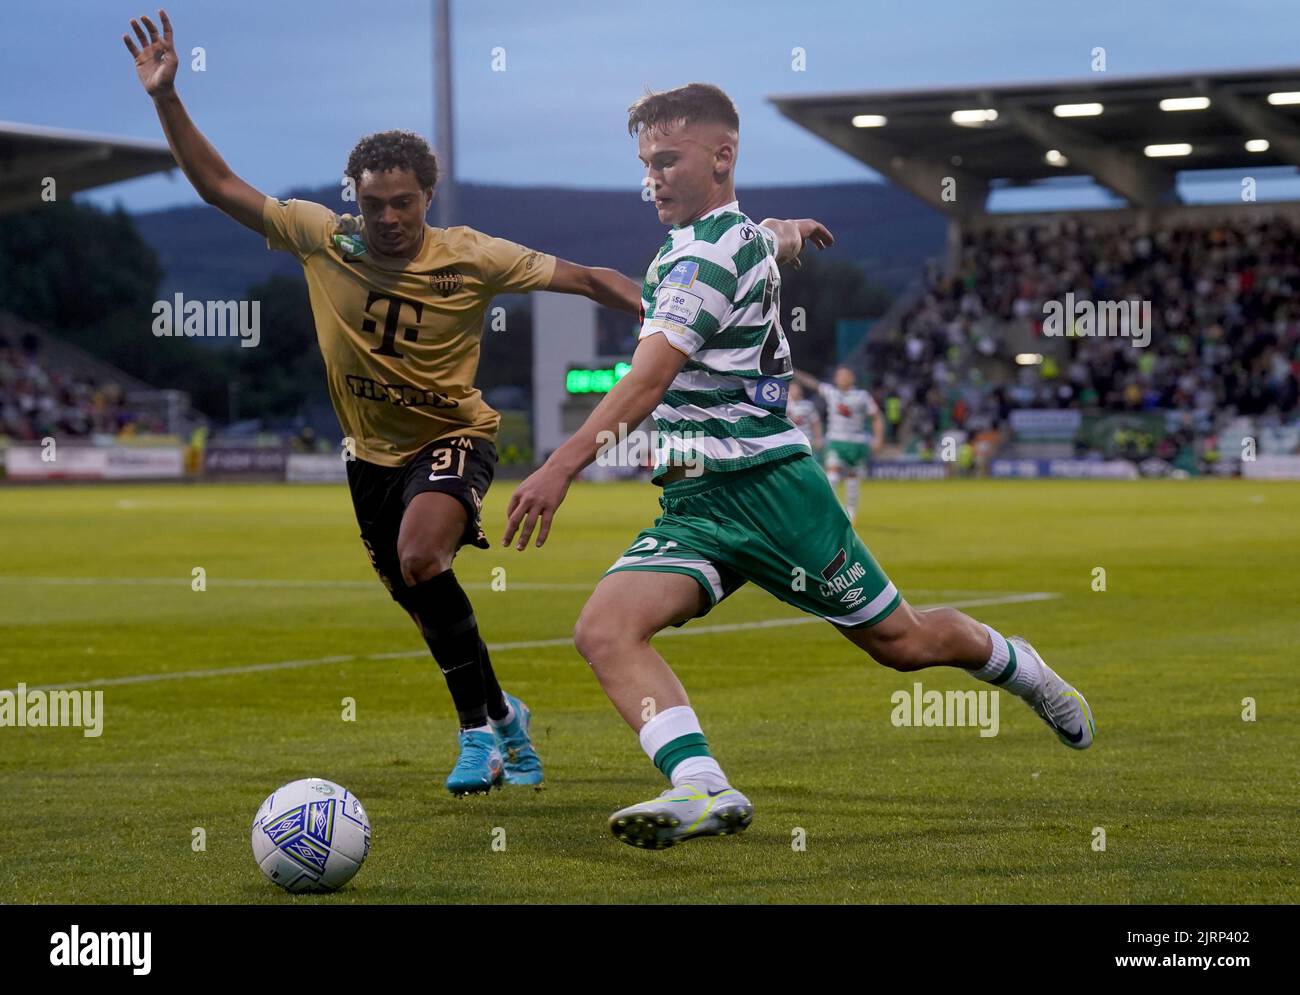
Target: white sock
(478, 729)
(851, 496)
(672, 724)
(1017, 673)
(510, 716)
(703, 772)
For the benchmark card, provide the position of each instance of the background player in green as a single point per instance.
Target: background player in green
(398, 308)
(848, 447)
(713, 365)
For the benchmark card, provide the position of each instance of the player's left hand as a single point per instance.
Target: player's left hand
(536, 499)
(811, 231)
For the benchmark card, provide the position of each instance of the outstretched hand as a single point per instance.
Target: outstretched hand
(534, 503)
(155, 59)
(811, 231)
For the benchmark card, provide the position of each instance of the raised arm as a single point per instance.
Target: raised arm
(791, 236)
(809, 381)
(602, 285)
(155, 64)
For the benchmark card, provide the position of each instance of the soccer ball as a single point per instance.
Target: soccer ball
(311, 835)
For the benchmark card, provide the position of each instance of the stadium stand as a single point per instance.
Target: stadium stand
(1225, 335)
(48, 387)
(968, 355)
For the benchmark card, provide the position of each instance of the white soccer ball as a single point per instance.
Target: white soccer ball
(311, 835)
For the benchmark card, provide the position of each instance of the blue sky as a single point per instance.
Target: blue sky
(291, 84)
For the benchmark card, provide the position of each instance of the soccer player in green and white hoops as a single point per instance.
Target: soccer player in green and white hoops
(848, 448)
(714, 366)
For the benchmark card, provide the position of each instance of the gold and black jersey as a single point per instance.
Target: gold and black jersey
(400, 337)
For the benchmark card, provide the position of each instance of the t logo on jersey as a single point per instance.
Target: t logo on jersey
(683, 274)
(391, 320)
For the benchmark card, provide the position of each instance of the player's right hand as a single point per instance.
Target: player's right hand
(534, 503)
(155, 59)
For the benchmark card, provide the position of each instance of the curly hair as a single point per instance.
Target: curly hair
(695, 102)
(394, 150)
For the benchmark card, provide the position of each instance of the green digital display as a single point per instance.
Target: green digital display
(595, 381)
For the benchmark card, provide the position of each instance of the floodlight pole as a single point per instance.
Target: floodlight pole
(445, 196)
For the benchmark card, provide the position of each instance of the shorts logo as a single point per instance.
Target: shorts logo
(844, 582)
(835, 565)
(852, 596)
(683, 274)
(446, 281)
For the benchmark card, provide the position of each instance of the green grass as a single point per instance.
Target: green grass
(1200, 612)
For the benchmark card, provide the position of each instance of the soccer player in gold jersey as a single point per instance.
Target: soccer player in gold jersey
(398, 307)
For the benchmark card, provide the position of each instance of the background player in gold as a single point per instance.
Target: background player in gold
(398, 307)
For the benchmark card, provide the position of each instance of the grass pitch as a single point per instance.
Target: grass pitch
(1197, 805)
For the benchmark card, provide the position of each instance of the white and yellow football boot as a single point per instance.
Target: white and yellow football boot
(682, 813)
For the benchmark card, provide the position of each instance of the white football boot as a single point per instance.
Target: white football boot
(1059, 704)
(682, 813)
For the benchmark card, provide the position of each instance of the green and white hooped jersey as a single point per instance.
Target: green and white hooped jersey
(713, 292)
(847, 412)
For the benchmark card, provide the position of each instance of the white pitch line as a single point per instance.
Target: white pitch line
(257, 668)
(273, 582)
(217, 582)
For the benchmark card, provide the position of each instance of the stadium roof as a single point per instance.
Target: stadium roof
(1102, 128)
(77, 160)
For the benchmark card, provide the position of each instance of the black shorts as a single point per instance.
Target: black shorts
(457, 465)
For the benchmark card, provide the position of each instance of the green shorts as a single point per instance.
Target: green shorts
(846, 453)
(778, 525)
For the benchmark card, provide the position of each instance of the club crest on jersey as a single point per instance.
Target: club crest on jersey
(446, 281)
(683, 274)
(349, 245)
(771, 393)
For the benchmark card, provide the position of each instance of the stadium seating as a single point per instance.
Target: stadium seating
(1225, 342)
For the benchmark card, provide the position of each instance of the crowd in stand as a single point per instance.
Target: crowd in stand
(1224, 335)
(37, 401)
